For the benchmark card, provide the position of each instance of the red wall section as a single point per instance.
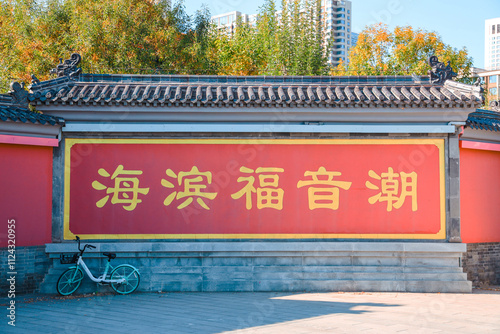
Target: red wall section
(26, 193)
(480, 195)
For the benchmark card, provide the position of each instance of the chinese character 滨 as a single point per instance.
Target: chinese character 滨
(125, 191)
(193, 187)
(326, 196)
(391, 191)
(268, 193)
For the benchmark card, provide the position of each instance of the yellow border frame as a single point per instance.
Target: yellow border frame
(68, 235)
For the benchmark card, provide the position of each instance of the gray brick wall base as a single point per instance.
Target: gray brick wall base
(31, 266)
(481, 262)
(277, 266)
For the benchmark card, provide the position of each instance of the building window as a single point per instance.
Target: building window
(493, 79)
(493, 91)
(493, 29)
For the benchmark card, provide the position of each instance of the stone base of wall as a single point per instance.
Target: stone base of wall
(276, 266)
(31, 265)
(481, 262)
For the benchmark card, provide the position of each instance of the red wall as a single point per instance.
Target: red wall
(26, 193)
(480, 195)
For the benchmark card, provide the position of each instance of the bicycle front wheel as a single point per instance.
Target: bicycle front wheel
(69, 281)
(129, 277)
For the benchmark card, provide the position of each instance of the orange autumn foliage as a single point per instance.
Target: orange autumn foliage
(404, 51)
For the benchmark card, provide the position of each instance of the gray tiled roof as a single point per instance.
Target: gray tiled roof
(9, 112)
(258, 91)
(484, 120)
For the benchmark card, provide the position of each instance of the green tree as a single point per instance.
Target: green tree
(113, 36)
(290, 43)
(403, 51)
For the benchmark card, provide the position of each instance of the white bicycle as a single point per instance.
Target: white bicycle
(124, 279)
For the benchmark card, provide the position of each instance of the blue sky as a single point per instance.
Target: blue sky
(459, 22)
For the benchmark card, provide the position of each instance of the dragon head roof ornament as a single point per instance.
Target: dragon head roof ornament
(68, 67)
(439, 72)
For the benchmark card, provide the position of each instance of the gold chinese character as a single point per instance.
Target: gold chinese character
(192, 187)
(390, 188)
(268, 194)
(125, 191)
(324, 197)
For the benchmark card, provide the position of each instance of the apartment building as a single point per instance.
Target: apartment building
(492, 84)
(492, 44)
(228, 20)
(336, 17)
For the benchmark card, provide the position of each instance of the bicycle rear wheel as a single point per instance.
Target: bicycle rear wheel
(69, 281)
(130, 277)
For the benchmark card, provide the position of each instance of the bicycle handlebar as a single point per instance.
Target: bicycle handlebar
(84, 247)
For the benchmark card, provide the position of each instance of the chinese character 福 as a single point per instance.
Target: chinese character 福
(268, 193)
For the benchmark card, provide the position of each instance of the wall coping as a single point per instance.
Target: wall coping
(180, 247)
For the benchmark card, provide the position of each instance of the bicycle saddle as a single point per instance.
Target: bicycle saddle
(110, 256)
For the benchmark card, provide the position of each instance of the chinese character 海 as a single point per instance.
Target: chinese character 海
(192, 187)
(125, 191)
(327, 195)
(268, 193)
(391, 191)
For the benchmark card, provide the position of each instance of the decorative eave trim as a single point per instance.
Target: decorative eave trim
(476, 135)
(224, 127)
(488, 120)
(475, 145)
(103, 114)
(27, 140)
(449, 95)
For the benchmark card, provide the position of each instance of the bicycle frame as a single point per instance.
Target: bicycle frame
(100, 279)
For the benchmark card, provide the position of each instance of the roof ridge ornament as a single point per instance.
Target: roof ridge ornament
(68, 67)
(34, 81)
(495, 105)
(19, 94)
(438, 72)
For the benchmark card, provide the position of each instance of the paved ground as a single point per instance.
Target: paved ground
(478, 312)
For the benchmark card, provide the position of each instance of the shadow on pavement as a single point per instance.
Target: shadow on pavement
(176, 312)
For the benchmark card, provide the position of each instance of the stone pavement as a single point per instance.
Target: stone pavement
(289, 313)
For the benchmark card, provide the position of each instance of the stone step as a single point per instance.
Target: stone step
(260, 279)
(361, 286)
(278, 266)
(256, 269)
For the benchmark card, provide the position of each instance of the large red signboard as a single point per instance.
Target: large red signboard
(220, 188)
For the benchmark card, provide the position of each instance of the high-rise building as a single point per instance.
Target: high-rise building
(492, 84)
(336, 16)
(228, 20)
(492, 44)
(337, 19)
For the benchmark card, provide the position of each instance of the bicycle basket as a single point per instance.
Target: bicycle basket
(68, 259)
